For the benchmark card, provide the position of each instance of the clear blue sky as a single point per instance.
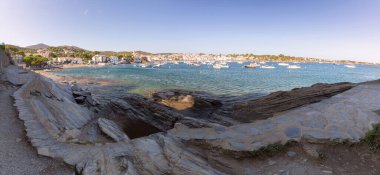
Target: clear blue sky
(337, 29)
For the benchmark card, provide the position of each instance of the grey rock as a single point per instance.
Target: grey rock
(293, 132)
(315, 122)
(44, 151)
(76, 88)
(80, 99)
(23, 72)
(265, 126)
(291, 153)
(81, 93)
(159, 152)
(327, 172)
(311, 149)
(91, 101)
(70, 134)
(35, 93)
(196, 99)
(238, 146)
(13, 76)
(111, 129)
(315, 136)
(271, 162)
(337, 133)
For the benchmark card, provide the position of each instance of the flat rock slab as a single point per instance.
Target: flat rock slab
(18, 76)
(281, 101)
(346, 116)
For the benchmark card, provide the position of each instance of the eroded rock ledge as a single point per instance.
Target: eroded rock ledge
(285, 100)
(60, 128)
(232, 110)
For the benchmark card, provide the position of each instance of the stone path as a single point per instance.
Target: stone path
(17, 156)
(346, 116)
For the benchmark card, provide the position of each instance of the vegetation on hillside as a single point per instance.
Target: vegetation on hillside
(76, 52)
(279, 58)
(16, 50)
(35, 60)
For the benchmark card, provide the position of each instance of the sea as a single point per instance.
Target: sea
(233, 81)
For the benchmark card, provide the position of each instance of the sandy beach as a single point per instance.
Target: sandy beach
(75, 79)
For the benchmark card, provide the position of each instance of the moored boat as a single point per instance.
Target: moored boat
(350, 66)
(252, 65)
(283, 64)
(220, 66)
(195, 64)
(267, 67)
(294, 67)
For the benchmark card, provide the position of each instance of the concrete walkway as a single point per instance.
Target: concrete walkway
(17, 156)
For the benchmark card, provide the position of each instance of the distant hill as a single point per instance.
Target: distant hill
(71, 47)
(143, 52)
(38, 46)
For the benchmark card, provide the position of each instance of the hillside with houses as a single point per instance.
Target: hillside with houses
(59, 55)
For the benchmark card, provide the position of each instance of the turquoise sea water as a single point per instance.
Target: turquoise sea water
(234, 81)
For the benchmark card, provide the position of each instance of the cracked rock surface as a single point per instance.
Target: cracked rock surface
(166, 150)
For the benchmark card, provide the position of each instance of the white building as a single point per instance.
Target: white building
(114, 59)
(68, 59)
(100, 59)
(137, 60)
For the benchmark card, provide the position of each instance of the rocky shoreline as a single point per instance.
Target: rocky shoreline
(156, 135)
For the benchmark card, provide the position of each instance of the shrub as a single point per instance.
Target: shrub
(37, 60)
(372, 138)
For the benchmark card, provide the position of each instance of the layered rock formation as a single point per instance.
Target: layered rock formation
(285, 100)
(61, 128)
(233, 110)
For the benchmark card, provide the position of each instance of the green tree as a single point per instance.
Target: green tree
(51, 55)
(37, 60)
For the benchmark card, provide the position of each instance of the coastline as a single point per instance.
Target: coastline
(176, 132)
(70, 80)
(158, 77)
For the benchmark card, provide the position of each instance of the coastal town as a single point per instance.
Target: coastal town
(189, 87)
(64, 55)
(64, 128)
